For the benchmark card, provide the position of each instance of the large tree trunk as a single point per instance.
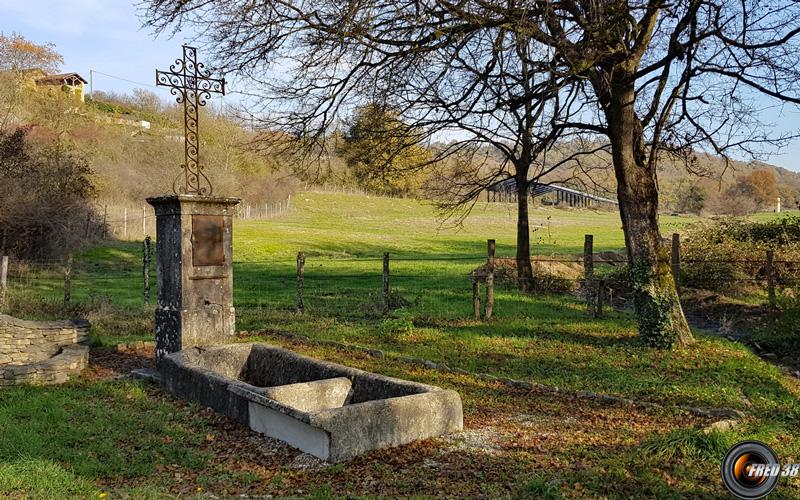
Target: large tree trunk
(658, 308)
(524, 268)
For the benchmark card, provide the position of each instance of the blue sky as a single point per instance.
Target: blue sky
(106, 36)
(102, 35)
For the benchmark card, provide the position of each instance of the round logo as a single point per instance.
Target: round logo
(750, 470)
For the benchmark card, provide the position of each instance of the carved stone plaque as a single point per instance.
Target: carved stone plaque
(207, 234)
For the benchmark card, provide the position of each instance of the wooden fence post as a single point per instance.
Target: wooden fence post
(125, 223)
(771, 277)
(601, 290)
(588, 274)
(146, 253)
(105, 220)
(301, 262)
(386, 302)
(490, 247)
(676, 261)
(476, 296)
(68, 281)
(144, 222)
(3, 280)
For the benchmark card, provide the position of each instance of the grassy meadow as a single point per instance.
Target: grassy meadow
(547, 339)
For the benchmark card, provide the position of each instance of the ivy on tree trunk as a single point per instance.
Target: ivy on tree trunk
(658, 309)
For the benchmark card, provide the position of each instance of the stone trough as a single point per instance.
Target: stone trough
(328, 410)
(41, 352)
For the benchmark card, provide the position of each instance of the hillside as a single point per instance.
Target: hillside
(134, 146)
(711, 173)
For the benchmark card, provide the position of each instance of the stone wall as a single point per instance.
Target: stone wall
(41, 351)
(31, 341)
(70, 361)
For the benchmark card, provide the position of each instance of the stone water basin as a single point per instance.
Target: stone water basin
(328, 410)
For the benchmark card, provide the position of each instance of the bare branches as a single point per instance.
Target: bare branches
(514, 76)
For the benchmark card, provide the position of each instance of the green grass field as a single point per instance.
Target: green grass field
(547, 339)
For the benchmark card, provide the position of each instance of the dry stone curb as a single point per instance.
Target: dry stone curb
(719, 413)
(41, 352)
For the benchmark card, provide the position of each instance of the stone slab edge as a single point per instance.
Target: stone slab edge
(44, 325)
(72, 359)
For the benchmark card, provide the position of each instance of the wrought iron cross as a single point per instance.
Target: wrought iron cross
(193, 86)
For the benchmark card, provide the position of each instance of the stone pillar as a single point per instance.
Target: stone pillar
(778, 205)
(195, 271)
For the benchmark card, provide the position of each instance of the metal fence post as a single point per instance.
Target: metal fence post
(68, 281)
(3, 280)
(601, 290)
(146, 255)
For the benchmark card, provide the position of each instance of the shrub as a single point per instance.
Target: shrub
(376, 304)
(617, 281)
(45, 198)
(782, 332)
(399, 326)
(729, 254)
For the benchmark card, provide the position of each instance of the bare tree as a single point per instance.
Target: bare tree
(648, 77)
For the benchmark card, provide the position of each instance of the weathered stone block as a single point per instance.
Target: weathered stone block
(377, 412)
(195, 271)
(16, 371)
(311, 396)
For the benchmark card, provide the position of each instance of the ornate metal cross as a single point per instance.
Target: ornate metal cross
(193, 86)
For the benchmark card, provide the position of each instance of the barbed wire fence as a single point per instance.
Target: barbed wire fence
(380, 284)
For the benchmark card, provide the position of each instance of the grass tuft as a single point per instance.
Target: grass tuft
(692, 444)
(541, 488)
(30, 477)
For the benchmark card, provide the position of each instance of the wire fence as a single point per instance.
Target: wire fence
(133, 222)
(437, 285)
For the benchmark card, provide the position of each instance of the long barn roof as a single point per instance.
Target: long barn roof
(540, 189)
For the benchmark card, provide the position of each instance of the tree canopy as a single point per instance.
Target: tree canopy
(19, 54)
(382, 153)
(645, 78)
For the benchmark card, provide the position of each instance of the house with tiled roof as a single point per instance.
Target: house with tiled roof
(72, 82)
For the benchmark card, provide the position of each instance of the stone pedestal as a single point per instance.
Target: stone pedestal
(195, 271)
